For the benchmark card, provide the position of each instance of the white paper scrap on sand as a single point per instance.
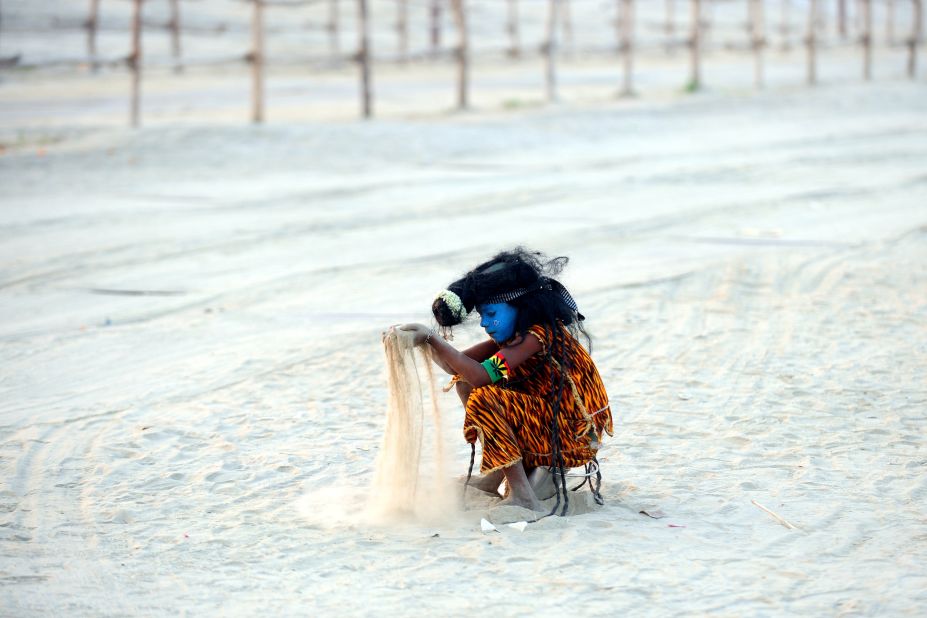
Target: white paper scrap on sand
(485, 526)
(518, 525)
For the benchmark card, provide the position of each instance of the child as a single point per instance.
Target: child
(531, 393)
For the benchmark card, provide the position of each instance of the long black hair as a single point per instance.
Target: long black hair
(525, 280)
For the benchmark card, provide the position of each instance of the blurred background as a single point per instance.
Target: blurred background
(71, 61)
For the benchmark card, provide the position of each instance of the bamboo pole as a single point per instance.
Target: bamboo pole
(550, 50)
(669, 24)
(707, 12)
(757, 38)
(890, 21)
(512, 29)
(256, 58)
(919, 20)
(363, 58)
(135, 64)
(867, 40)
(566, 20)
(784, 25)
(402, 29)
(842, 18)
(917, 8)
(811, 42)
(333, 28)
(626, 45)
(174, 25)
(695, 74)
(93, 22)
(463, 54)
(435, 26)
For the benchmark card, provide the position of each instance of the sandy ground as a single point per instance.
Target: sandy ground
(753, 271)
(193, 394)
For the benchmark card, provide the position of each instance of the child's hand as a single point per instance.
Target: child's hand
(422, 332)
(386, 333)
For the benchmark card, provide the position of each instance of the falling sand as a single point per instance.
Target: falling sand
(402, 484)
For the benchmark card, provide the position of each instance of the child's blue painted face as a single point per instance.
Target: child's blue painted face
(498, 320)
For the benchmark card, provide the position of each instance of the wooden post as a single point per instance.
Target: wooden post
(93, 18)
(890, 21)
(811, 42)
(512, 28)
(435, 26)
(256, 58)
(402, 29)
(626, 45)
(822, 21)
(363, 58)
(842, 18)
(463, 54)
(917, 10)
(695, 75)
(135, 63)
(706, 11)
(550, 50)
(174, 25)
(567, 24)
(669, 25)
(919, 20)
(784, 26)
(758, 39)
(867, 39)
(334, 44)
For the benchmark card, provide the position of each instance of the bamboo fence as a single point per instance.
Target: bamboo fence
(853, 24)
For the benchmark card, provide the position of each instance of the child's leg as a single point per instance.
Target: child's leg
(488, 482)
(542, 481)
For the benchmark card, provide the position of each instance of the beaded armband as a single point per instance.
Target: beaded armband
(497, 367)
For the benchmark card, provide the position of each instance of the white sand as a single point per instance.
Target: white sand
(754, 271)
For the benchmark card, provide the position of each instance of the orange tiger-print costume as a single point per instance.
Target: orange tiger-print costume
(512, 417)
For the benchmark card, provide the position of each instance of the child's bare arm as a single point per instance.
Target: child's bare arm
(454, 361)
(479, 352)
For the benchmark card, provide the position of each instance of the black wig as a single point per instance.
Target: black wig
(523, 279)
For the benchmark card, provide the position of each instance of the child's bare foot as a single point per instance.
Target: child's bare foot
(529, 502)
(520, 491)
(488, 482)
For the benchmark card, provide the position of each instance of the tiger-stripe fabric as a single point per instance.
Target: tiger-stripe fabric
(511, 418)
